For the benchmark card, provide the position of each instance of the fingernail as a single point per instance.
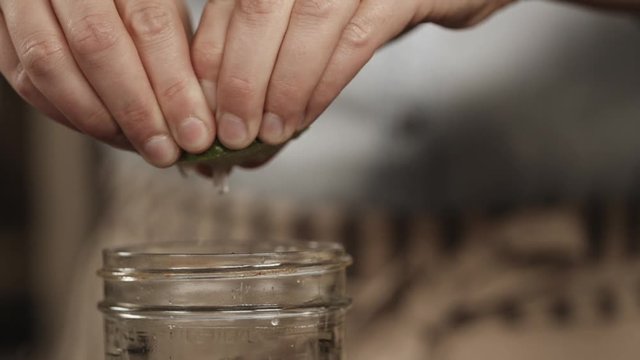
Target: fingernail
(193, 134)
(160, 150)
(209, 89)
(272, 128)
(232, 131)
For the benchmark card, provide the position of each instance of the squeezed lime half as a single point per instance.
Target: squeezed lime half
(220, 156)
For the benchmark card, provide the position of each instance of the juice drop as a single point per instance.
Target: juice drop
(221, 178)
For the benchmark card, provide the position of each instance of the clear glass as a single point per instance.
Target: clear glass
(202, 301)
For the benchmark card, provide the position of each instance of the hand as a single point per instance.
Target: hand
(269, 68)
(117, 70)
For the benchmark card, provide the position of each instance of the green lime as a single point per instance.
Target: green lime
(219, 155)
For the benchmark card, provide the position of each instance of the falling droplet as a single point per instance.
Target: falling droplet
(221, 178)
(275, 322)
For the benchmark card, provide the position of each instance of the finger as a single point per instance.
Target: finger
(63, 93)
(375, 23)
(108, 58)
(183, 12)
(300, 66)
(17, 78)
(255, 34)
(208, 46)
(161, 40)
(13, 71)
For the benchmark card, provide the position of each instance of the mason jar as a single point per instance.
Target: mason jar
(206, 301)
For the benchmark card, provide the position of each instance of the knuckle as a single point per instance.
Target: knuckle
(175, 89)
(135, 118)
(285, 98)
(40, 54)
(93, 34)
(23, 85)
(99, 125)
(258, 7)
(359, 34)
(238, 87)
(151, 23)
(319, 9)
(207, 58)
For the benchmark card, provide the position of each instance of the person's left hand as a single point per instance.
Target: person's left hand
(269, 68)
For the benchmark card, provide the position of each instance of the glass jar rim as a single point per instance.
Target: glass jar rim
(210, 258)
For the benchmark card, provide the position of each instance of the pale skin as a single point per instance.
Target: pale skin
(128, 73)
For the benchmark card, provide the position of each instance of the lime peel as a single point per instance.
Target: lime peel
(219, 155)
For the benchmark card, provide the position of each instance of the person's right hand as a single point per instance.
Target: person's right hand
(119, 71)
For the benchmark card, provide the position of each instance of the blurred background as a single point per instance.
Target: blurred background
(487, 183)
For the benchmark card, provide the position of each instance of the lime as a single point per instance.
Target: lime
(220, 156)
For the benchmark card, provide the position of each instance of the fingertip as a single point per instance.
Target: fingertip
(305, 122)
(160, 151)
(233, 131)
(272, 130)
(193, 135)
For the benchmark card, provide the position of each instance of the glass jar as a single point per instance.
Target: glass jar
(202, 301)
